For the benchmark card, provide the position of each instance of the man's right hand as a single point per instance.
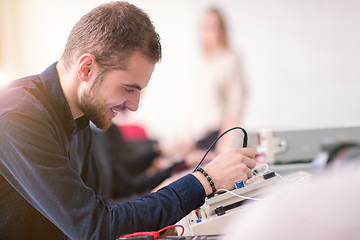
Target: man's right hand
(227, 168)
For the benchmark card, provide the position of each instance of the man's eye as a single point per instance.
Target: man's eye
(129, 90)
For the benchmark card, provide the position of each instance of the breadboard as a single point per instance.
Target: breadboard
(205, 220)
(210, 222)
(255, 186)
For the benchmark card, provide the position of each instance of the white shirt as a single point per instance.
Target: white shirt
(218, 91)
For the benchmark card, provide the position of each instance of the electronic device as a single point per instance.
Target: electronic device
(297, 145)
(275, 146)
(214, 216)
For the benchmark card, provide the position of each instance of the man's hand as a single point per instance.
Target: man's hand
(228, 167)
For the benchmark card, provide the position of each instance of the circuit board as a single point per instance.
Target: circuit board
(255, 186)
(213, 216)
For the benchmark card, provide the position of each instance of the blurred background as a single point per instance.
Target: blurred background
(300, 58)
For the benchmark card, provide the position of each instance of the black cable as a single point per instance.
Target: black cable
(333, 153)
(244, 143)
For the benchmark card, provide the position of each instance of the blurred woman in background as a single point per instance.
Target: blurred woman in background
(219, 87)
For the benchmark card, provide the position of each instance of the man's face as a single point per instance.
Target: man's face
(115, 91)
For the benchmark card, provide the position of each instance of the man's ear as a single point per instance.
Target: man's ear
(85, 66)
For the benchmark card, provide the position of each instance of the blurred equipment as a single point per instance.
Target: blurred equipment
(299, 145)
(336, 155)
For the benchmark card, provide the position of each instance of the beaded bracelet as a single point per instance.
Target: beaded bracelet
(210, 181)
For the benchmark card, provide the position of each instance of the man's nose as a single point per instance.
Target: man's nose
(133, 103)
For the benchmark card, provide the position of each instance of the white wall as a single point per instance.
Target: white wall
(301, 58)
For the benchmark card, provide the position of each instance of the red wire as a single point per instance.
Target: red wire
(154, 233)
(171, 226)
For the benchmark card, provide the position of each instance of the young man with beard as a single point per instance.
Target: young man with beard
(47, 189)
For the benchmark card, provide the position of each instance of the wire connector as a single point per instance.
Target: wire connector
(239, 184)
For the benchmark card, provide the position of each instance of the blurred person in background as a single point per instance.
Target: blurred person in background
(126, 167)
(218, 85)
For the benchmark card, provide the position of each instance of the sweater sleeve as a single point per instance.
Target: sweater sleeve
(35, 164)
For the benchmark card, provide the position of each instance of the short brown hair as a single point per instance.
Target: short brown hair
(112, 32)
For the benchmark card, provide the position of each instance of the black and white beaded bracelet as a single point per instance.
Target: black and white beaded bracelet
(210, 181)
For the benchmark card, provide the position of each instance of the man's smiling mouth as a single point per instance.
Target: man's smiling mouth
(118, 108)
